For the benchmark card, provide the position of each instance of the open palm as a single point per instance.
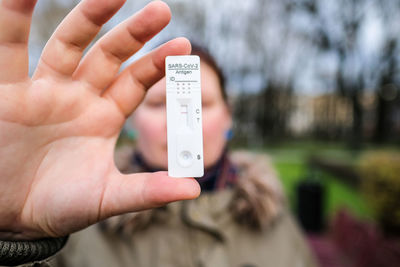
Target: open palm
(58, 130)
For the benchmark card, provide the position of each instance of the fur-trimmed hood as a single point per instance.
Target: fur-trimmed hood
(256, 201)
(220, 228)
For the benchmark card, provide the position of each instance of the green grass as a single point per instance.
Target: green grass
(341, 195)
(338, 195)
(290, 163)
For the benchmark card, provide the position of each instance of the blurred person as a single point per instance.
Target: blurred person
(239, 220)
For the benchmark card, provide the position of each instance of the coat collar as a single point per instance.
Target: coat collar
(255, 202)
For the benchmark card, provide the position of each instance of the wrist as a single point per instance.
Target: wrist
(20, 252)
(7, 235)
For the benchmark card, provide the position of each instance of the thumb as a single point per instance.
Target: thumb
(135, 192)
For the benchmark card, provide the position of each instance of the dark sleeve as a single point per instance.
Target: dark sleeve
(14, 253)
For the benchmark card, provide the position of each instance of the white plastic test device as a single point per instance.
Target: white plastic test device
(184, 123)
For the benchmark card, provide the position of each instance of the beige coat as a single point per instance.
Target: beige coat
(247, 226)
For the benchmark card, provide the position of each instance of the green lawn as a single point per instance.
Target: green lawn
(338, 194)
(290, 163)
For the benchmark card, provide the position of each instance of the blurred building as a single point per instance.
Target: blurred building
(301, 120)
(332, 116)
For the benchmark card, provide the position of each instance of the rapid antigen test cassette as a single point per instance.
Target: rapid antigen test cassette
(184, 122)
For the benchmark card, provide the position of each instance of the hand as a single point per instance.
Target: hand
(58, 130)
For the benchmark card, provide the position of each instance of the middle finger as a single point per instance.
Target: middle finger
(102, 63)
(64, 50)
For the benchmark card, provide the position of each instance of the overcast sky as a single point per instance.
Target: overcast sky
(245, 36)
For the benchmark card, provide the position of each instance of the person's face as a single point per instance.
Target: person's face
(150, 121)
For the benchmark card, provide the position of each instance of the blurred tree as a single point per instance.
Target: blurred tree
(272, 50)
(340, 28)
(343, 43)
(387, 93)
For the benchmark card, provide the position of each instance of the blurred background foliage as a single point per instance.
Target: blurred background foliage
(381, 186)
(309, 69)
